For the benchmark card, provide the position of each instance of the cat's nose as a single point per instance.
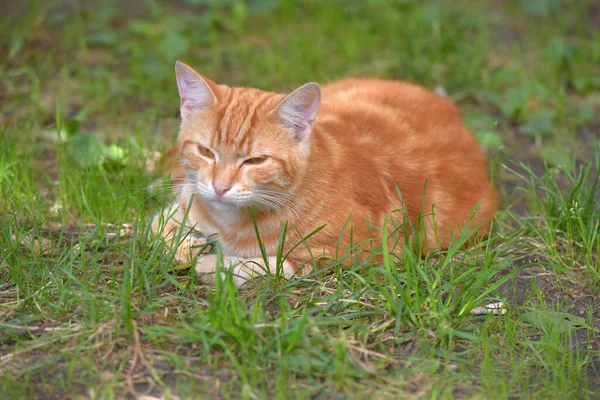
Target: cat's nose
(221, 187)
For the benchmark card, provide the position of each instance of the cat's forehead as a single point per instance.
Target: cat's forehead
(241, 117)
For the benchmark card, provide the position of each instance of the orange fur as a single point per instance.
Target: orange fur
(370, 137)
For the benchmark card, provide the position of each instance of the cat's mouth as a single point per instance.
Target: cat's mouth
(236, 203)
(228, 201)
(223, 201)
(239, 200)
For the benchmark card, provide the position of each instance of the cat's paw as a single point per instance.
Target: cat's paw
(206, 268)
(242, 270)
(189, 248)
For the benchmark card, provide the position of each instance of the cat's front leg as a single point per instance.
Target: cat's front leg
(243, 269)
(169, 225)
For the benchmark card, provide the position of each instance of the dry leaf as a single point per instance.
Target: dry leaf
(39, 245)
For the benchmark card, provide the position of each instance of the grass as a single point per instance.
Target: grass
(91, 307)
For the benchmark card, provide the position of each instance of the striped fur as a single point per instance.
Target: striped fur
(370, 138)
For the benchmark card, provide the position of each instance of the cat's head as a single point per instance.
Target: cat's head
(243, 147)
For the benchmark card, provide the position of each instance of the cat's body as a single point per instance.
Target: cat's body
(370, 140)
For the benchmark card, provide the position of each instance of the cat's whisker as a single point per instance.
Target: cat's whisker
(275, 197)
(276, 203)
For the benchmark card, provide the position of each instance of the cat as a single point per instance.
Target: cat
(350, 156)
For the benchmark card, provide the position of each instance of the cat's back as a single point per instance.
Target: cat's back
(383, 92)
(390, 109)
(380, 136)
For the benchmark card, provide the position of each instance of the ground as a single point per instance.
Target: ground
(92, 307)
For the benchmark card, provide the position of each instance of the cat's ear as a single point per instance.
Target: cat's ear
(195, 91)
(299, 109)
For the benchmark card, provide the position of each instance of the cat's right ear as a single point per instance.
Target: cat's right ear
(194, 90)
(299, 110)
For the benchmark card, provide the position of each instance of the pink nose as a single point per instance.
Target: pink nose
(221, 188)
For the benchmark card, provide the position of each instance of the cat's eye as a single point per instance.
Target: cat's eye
(205, 152)
(255, 160)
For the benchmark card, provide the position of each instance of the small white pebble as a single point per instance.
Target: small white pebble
(453, 367)
(493, 308)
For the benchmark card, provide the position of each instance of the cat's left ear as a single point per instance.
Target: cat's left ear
(195, 91)
(299, 109)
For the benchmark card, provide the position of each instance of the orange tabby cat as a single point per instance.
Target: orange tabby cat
(337, 156)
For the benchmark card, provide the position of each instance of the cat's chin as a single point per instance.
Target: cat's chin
(226, 204)
(222, 203)
(230, 205)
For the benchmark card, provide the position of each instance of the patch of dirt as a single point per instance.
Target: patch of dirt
(539, 283)
(593, 17)
(593, 374)
(511, 185)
